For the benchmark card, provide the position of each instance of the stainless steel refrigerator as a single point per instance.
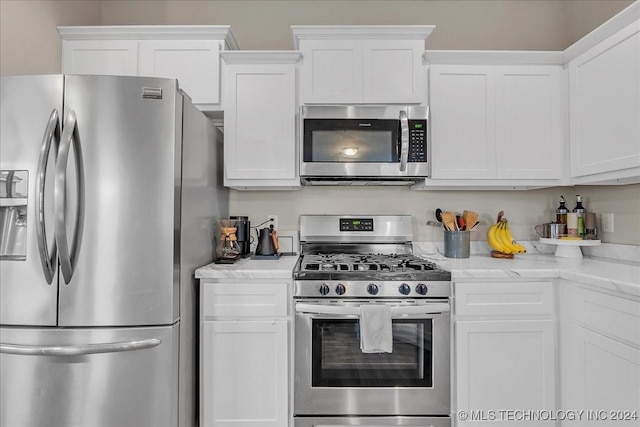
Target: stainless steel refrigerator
(109, 191)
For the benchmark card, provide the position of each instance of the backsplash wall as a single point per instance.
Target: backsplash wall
(524, 209)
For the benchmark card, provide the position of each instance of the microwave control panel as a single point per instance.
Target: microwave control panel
(417, 141)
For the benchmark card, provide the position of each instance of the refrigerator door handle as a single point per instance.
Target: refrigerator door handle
(68, 257)
(78, 350)
(51, 138)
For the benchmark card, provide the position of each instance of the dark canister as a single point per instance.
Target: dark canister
(243, 234)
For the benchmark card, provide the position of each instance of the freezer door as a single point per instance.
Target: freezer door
(122, 270)
(27, 295)
(89, 377)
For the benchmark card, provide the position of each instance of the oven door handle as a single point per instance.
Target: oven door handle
(354, 310)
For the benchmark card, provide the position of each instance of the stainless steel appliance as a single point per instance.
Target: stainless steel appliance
(366, 145)
(112, 202)
(347, 261)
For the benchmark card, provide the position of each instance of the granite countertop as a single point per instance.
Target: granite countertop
(618, 276)
(248, 268)
(612, 274)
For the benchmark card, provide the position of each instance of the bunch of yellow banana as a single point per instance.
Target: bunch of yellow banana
(500, 238)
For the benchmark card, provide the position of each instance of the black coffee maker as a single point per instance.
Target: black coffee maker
(243, 234)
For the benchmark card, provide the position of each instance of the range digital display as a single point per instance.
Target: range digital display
(356, 224)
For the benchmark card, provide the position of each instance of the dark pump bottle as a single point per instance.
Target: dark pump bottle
(580, 210)
(561, 212)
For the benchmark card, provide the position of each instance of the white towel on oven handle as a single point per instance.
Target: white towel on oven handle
(375, 328)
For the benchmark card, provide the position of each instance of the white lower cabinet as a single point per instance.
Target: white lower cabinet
(505, 353)
(600, 355)
(244, 355)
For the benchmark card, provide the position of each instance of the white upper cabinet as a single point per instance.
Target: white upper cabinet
(462, 108)
(109, 57)
(529, 122)
(189, 53)
(362, 64)
(604, 89)
(192, 62)
(331, 72)
(496, 121)
(260, 143)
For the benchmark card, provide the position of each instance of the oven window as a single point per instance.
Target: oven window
(339, 362)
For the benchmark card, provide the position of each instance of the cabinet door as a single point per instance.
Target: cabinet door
(529, 131)
(331, 72)
(393, 71)
(609, 374)
(259, 124)
(195, 63)
(604, 93)
(462, 106)
(100, 57)
(245, 374)
(502, 365)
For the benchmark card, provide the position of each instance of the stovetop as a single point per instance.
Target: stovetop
(346, 266)
(365, 262)
(364, 256)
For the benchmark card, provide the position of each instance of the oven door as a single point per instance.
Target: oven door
(334, 377)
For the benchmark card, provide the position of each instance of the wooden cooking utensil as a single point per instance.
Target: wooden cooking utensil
(470, 218)
(449, 220)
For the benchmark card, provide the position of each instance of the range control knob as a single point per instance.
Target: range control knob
(372, 289)
(324, 289)
(422, 289)
(405, 289)
(340, 289)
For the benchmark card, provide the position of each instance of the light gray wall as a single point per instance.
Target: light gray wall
(29, 44)
(538, 25)
(524, 209)
(585, 15)
(29, 40)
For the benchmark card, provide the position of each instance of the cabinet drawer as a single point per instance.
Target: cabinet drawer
(506, 298)
(240, 300)
(616, 317)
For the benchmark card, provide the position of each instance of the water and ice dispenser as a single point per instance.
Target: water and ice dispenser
(13, 214)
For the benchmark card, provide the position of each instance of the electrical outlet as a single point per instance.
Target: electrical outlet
(274, 221)
(607, 223)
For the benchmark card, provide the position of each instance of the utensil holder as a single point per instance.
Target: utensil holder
(457, 244)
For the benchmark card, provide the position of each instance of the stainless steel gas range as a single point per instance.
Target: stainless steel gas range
(351, 261)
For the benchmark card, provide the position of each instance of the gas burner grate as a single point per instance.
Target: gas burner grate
(364, 262)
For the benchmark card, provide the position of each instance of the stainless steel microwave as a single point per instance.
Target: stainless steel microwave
(363, 144)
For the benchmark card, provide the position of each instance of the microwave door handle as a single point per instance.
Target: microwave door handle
(404, 140)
